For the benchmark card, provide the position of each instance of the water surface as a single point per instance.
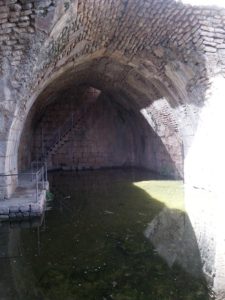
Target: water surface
(112, 234)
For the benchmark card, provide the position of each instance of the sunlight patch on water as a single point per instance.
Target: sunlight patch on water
(169, 192)
(109, 236)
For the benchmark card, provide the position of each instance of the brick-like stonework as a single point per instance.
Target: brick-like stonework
(105, 134)
(18, 20)
(158, 57)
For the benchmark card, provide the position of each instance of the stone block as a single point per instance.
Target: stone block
(10, 1)
(24, 24)
(14, 14)
(35, 208)
(42, 4)
(24, 208)
(4, 217)
(12, 215)
(8, 25)
(16, 7)
(26, 9)
(3, 15)
(4, 37)
(19, 215)
(13, 209)
(35, 214)
(2, 21)
(24, 18)
(4, 210)
(4, 9)
(26, 214)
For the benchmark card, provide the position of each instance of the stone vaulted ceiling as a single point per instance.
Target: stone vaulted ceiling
(118, 42)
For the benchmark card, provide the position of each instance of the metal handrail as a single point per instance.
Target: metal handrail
(59, 133)
(17, 174)
(39, 176)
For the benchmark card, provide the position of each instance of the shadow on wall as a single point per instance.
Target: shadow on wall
(111, 134)
(151, 151)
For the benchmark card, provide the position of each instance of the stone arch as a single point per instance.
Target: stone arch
(138, 101)
(164, 47)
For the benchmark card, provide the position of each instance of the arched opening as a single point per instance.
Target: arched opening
(102, 124)
(151, 112)
(161, 62)
(83, 120)
(107, 126)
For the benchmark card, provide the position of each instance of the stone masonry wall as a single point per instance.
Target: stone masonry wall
(106, 135)
(100, 139)
(144, 49)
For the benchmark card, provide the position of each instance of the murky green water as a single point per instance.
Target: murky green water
(106, 237)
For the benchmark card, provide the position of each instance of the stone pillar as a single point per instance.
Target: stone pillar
(204, 176)
(9, 135)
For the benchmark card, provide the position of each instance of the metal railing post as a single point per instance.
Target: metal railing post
(32, 171)
(59, 134)
(36, 186)
(38, 175)
(46, 172)
(42, 175)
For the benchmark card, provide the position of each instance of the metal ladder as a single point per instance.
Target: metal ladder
(60, 134)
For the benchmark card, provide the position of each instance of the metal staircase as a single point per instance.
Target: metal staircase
(59, 137)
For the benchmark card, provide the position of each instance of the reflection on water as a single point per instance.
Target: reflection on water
(106, 237)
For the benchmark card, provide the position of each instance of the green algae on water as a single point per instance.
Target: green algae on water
(92, 245)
